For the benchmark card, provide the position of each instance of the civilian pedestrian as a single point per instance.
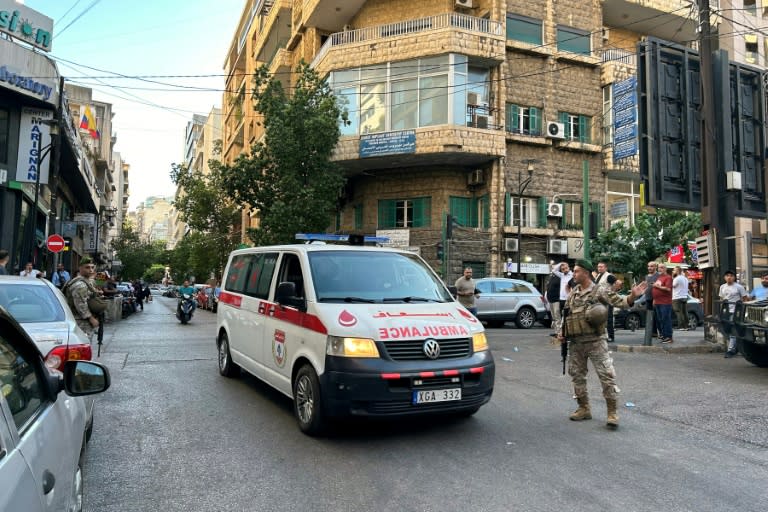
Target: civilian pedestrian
(60, 277)
(732, 293)
(29, 271)
(466, 291)
(649, 280)
(680, 298)
(553, 299)
(662, 303)
(563, 271)
(761, 291)
(607, 280)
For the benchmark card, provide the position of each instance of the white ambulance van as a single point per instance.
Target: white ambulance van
(351, 330)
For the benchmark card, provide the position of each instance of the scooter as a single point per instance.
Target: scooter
(184, 308)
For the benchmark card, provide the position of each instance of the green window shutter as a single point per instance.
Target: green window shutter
(359, 216)
(473, 213)
(421, 212)
(563, 117)
(507, 209)
(486, 203)
(542, 212)
(387, 213)
(515, 124)
(459, 208)
(561, 222)
(508, 116)
(597, 209)
(535, 121)
(583, 129)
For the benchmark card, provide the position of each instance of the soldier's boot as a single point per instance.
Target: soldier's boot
(613, 417)
(583, 412)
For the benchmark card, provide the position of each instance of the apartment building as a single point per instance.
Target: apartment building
(494, 114)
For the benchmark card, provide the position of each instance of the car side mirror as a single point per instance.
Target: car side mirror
(85, 378)
(286, 296)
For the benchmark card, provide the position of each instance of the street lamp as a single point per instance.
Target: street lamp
(522, 184)
(41, 154)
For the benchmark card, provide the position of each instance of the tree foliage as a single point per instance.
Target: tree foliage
(630, 248)
(135, 255)
(288, 176)
(197, 256)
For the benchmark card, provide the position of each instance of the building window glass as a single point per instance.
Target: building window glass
(525, 209)
(5, 127)
(573, 40)
(358, 212)
(521, 28)
(404, 213)
(750, 48)
(577, 127)
(750, 7)
(572, 215)
(525, 120)
(372, 108)
(433, 102)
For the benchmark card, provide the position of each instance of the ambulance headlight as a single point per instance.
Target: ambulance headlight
(351, 347)
(479, 342)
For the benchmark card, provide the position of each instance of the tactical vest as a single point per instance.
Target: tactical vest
(576, 324)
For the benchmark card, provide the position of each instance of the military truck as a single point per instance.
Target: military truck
(748, 322)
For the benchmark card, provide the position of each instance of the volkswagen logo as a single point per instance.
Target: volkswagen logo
(432, 348)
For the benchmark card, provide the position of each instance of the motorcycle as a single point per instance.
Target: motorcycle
(185, 307)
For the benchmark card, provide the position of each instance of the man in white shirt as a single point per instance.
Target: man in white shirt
(680, 298)
(563, 271)
(29, 271)
(732, 292)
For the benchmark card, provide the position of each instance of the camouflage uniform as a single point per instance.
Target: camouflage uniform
(78, 291)
(590, 343)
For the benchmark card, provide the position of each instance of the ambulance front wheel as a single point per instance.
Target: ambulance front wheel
(226, 367)
(307, 402)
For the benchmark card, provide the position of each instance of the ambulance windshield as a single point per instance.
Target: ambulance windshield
(358, 276)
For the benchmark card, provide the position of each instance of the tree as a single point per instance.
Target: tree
(289, 177)
(209, 211)
(135, 255)
(629, 248)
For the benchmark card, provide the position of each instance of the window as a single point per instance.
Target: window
(572, 215)
(573, 40)
(471, 212)
(5, 128)
(404, 213)
(22, 384)
(290, 271)
(750, 47)
(521, 28)
(577, 127)
(32, 304)
(525, 120)
(404, 104)
(527, 210)
(358, 213)
(607, 115)
(750, 7)
(372, 108)
(238, 273)
(260, 279)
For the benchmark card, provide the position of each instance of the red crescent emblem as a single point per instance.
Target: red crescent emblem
(347, 319)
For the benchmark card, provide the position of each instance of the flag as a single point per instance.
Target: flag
(676, 254)
(88, 122)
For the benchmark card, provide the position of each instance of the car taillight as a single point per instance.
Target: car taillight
(60, 355)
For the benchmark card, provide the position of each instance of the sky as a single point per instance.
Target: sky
(165, 48)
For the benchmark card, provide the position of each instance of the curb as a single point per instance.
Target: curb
(702, 348)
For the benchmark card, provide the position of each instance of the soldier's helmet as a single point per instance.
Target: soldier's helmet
(596, 314)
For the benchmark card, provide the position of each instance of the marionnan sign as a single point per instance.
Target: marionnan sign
(21, 22)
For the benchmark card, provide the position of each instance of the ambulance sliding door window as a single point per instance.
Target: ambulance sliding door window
(260, 277)
(238, 273)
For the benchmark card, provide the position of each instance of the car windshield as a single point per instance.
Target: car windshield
(31, 303)
(359, 276)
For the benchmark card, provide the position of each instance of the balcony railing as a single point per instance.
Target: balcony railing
(419, 25)
(618, 56)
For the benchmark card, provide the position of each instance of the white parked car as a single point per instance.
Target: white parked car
(42, 431)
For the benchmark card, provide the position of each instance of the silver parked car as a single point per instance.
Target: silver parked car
(509, 300)
(42, 431)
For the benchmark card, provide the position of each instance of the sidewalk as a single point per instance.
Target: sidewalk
(685, 342)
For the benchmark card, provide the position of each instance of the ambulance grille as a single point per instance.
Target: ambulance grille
(413, 350)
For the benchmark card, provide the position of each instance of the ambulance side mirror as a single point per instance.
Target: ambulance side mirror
(286, 296)
(453, 290)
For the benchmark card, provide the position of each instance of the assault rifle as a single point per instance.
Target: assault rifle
(564, 343)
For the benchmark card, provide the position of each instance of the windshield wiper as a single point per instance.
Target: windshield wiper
(346, 299)
(409, 299)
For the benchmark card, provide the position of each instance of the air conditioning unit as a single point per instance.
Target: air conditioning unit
(510, 244)
(555, 130)
(479, 121)
(555, 246)
(467, 4)
(473, 98)
(554, 210)
(476, 177)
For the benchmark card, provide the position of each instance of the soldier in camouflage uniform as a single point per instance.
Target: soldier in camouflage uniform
(78, 291)
(584, 329)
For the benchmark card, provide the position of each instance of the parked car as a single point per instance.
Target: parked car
(634, 318)
(509, 300)
(42, 433)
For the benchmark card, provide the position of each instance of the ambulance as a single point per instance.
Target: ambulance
(350, 330)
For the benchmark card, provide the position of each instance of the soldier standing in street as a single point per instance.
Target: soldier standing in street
(78, 291)
(583, 328)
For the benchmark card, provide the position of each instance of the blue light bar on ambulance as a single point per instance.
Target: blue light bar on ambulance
(330, 237)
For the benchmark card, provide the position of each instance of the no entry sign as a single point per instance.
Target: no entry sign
(55, 243)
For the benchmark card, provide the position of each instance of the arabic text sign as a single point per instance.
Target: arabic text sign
(389, 143)
(625, 118)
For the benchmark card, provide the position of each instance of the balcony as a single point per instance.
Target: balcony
(326, 15)
(617, 65)
(481, 39)
(667, 19)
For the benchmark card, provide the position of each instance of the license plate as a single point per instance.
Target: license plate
(436, 395)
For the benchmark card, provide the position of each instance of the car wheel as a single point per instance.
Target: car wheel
(526, 317)
(755, 354)
(307, 401)
(226, 367)
(632, 322)
(693, 321)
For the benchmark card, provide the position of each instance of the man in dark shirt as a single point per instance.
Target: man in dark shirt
(553, 298)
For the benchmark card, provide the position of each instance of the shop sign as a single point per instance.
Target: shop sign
(25, 24)
(33, 134)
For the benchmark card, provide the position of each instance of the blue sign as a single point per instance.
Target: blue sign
(625, 119)
(389, 143)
